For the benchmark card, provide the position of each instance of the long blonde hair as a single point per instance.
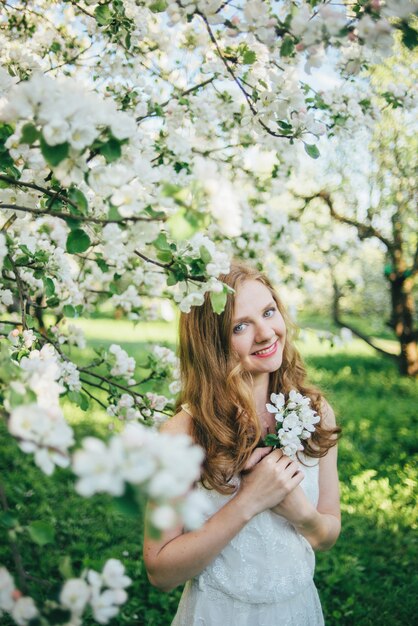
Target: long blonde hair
(218, 391)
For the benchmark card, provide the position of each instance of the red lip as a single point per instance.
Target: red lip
(273, 349)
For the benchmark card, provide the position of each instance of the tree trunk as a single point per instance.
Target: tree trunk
(403, 319)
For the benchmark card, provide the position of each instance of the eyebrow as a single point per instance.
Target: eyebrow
(245, 318)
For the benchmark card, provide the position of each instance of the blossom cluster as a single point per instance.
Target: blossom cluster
(104, 592)
(295, 421)
(36, 418)
(58, 113)
(163, 466)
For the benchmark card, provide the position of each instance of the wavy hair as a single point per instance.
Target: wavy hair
(218, 391)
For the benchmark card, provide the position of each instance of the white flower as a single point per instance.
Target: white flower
(55, 132)
(75, 595)
(193, 299)
(195, 509)
(114, 575)
(24, 610)
(295, 421)
(157, 402)
(43, 432)
(28, 338)
(122, 364)
(105, 605)
(6, 297)
(164, 517)
(7, 588)
(98, 467)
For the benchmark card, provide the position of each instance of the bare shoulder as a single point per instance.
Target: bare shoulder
(327, 414)
(179, 424)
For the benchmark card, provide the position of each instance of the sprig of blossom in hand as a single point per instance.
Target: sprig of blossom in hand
(295, 422)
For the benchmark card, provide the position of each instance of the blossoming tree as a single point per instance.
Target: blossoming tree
(140, 143)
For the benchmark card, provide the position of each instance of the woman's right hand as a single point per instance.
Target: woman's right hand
(269, 482)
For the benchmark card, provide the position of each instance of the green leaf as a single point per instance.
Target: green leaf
(53, 302)
(158, 6)
(53, 155)
(249, 57)
(288, 46)
(409, 35)
(312, 150)
(41, 533)
(7, 519)
(218, 301)
(84, 402)
(271, 440)
(205, 255)
(161, 242)
(49, 287)
(79, 199)
(164, 256)
(113, 213)
(29, 134)
(103, 14)
(69, 310)
(30, 321)
(111, 150)
(65, 567)
(103, 265)
(171, 279)
(80, 399)
(78, 241)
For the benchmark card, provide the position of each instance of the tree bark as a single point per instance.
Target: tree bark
(403, 324)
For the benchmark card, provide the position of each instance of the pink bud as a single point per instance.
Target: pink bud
(15, 332)
(300, 47)
(16, 594)
(376, 5)
(352, 36)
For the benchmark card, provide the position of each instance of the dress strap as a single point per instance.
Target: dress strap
(186, 408)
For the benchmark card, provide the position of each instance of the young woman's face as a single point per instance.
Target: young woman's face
(258, 328)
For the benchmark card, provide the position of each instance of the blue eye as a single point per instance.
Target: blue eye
(270, 312)
(238, 328)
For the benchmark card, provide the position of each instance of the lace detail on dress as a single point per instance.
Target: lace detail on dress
(268, 560)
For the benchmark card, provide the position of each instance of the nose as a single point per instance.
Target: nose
(263, 332)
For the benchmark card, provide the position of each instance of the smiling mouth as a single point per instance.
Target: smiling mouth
(266, 351)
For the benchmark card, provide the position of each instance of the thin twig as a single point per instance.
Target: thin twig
(79, 218)
(20, 291)
(48, 192)
(181, 95)
(238, 82)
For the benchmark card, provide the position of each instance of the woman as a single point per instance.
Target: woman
(252, 562)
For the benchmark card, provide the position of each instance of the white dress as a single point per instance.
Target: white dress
(263, 577)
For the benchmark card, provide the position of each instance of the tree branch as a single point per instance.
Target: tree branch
(48, 192)
(79, 218)
(181, 95)
(21, 291)
(364, 231)
(238, 82)
(355, 331)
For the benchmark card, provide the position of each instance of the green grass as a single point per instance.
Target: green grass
(368, 578)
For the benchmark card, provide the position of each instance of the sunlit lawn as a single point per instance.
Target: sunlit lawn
(368, 578)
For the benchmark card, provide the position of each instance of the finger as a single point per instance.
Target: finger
(256, 456)
(296, 479)
(277, 454)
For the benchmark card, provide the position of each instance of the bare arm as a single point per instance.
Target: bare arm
(321, 526)
(180, 555)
